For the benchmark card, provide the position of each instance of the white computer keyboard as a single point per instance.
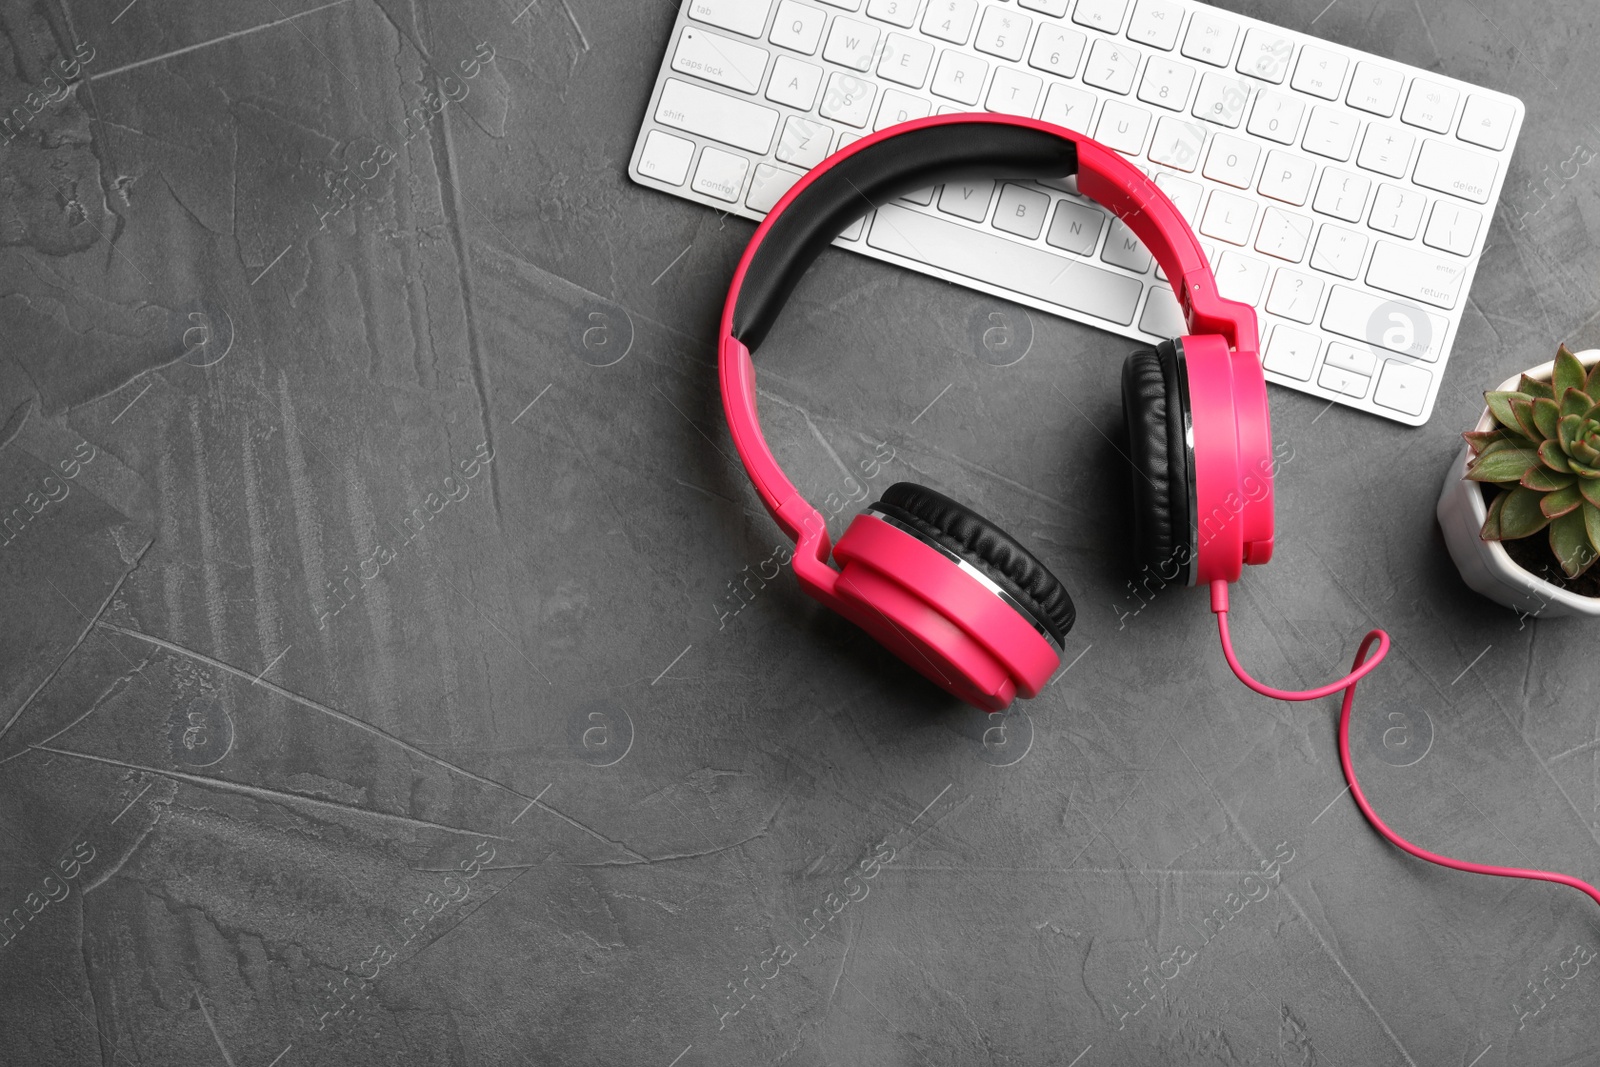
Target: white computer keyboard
(1347, 197)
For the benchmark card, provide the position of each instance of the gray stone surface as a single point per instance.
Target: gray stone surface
(393, 679)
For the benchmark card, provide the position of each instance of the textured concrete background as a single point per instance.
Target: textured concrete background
(397, 671)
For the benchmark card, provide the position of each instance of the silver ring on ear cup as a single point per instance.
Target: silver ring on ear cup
(983, 579)
(1191, 575)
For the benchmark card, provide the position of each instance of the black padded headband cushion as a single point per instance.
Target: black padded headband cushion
(1153, 409)
(987, 547)
(875, 175)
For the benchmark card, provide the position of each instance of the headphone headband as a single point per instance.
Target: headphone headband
(912, 155)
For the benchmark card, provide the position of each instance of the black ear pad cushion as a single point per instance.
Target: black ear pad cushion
(1153, 409)
(987, 547)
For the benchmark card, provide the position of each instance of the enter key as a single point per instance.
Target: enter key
(1408, 271)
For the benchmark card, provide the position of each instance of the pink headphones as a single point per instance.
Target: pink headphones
(946, 590)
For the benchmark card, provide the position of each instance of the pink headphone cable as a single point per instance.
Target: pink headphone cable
(1359, 670)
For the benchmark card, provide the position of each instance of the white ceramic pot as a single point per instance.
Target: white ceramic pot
(1484, 565)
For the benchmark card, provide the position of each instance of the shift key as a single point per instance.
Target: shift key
(717, 116)
(1062, 280)
(1407, 271)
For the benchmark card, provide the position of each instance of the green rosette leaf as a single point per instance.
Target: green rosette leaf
(1551, 456)
(1499, 402)
(1505, 465)
(1535, 388)
(1569, 540)
(1547, 481)
(1546, 414)
(1491, 523)
(1561, 502)
(1590, 488)
(1522, 411)
(1567, 431)
(1591, 523)
(1575, 402)
(1569, 373)
(1521, 516)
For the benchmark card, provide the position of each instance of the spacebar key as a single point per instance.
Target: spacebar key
(1062, 280)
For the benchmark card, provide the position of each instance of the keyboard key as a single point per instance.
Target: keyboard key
(1068, 282)
(1232, 161)
(1076, 227)
(1448, 169)
(1331, 132)
(1339, 251)
(1241, 277)
(1184, 194)
(900, 13)
(1397, 210)
(1284, 235)
(1486, 122)
(719, 117)
(1319, 72)
(1362, 361)
(1222, 99)
(959, 76)
(848, 99)
(1265, 55)
(720, 59)
(720, 174)
(665, 157)
(1228, 217)
(1399, 327)
(1014, 92)
(1210, 38)
(1386, 149)
(1022, 211)
(804, 141)
(797, 27)
(1003, 33)
(1430, 105)
(1156, 23)
(1057, 50)
(1177, 144)
(1054, 8)
(1342, 381)
(1452, 228)
(898, 107)
(1166, 83)
(794, 83)
(1111, 66)
(1163, 316)
(1295, 296)
(1069, 106)
(1411, 272)
(1125, 250)
(1342, 194)
(851, 44)
(1403, 387)
(1103, 15)
(1291, 353)
(967, 200)
(905, 60)
(1375, 88)
(950, 20)
(748, 17)
(1122, 126)
(1276, 116)
(1287, 177)
(769, 185)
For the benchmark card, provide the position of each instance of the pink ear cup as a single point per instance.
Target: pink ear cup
(1232, 449)
(941, 620)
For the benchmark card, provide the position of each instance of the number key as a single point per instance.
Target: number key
(1003, 33)
(1057, 50)
(950, 20)
(900, 13)
(1166, 83)
(1221, 99)
(1111, 66)
(1276, 116)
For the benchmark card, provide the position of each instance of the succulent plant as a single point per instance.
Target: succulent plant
(1544, 454)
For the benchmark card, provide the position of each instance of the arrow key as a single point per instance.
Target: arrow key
(1402, 387)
